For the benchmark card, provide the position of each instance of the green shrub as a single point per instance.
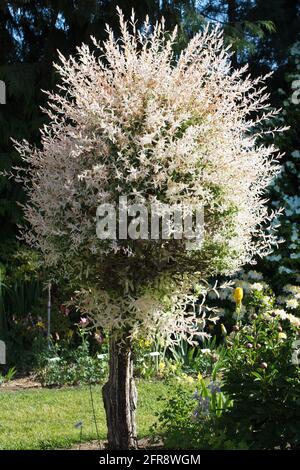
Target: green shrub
(189, 419)
(72, 366)
(264, 384)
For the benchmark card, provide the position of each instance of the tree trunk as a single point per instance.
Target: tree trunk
(120, 395)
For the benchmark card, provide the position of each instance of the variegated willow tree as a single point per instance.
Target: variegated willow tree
(132, 118)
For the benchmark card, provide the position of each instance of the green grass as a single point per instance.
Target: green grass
(45, 418)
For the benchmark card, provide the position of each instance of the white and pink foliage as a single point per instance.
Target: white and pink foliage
(131, 118)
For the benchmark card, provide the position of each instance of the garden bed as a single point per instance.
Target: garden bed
(22, 383)
(145, 443)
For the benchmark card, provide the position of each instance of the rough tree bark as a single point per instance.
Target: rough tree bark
(120, 395)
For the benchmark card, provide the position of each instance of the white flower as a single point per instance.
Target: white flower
(206, 351)
(292, 303)
(153, 354)
(257, 286)
(102, 356)
(291, 289)
(280, 313)
(295, 321)
(266, 300)
(54, 359)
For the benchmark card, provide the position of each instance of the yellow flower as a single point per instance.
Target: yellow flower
(144, 343)
(238, 295)
(40, 324)
(282, 335)
(161, 366)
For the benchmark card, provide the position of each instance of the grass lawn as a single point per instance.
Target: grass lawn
(45, 418)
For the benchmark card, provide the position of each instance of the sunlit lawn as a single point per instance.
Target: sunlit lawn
(45, 418)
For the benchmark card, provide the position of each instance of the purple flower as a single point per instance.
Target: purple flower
(202, 408)
(214, 387)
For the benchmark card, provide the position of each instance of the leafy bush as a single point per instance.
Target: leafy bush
(25, 340)
(189, 418)
(264, 383)
(65, 366)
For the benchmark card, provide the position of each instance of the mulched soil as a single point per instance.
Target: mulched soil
(22, 383)
(143, 444)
